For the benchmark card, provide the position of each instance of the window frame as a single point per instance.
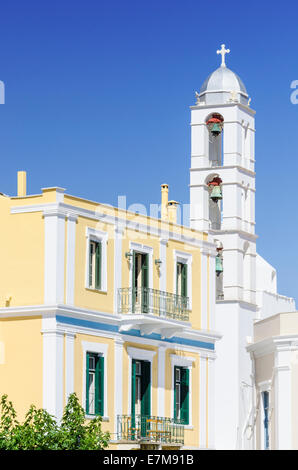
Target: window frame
(102, 350)
(97, 236)
(184, 258)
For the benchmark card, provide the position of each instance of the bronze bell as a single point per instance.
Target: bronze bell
(216, 194)
(218, 265)
(215, 129)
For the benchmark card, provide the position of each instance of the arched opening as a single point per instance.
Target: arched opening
(214, 123)
(215, 201)
(219, 271)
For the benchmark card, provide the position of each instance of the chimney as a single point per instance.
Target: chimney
(164, 201)
(22, 183)
(172, 211)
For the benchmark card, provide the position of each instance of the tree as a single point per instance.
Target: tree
(40, 430)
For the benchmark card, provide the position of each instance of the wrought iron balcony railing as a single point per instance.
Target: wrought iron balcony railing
(149, 428)
(145, 300)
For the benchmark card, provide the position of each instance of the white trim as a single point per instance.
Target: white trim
(65, 209)
(70, 259)
(186, 258)
(69, 363)
(102, 349)
(203, 403)
(204, 289)
(118, 380)
(114, 320)
(53, 367)
(161, 371)
(211, 403)
(187, 363)
(102, 237)
(142, 355)
(118, 234)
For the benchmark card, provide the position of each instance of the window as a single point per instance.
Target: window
(94, 265)
(94, 384)
(181, 285)
(181, 394)
(141, 388)
(140, 282)
(265, 397)
(181, 279)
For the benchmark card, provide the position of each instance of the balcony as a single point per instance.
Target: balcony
(150, 429)
(153, 310)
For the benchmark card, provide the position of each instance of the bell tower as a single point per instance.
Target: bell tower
(222, 203)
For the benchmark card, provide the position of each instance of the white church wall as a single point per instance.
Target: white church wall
(233, 375)
(268, 300)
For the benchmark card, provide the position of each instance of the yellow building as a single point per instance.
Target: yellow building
(115, 306)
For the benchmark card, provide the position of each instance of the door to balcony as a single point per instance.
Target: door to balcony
(140, 282)
(140, 396)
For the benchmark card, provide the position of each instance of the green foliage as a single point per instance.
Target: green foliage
(40, 430)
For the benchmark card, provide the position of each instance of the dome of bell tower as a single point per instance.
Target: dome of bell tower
(223, 85)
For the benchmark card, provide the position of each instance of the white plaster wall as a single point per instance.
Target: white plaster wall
(233, 370)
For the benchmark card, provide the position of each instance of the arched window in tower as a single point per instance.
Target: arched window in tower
(219, 271)
(215, 201)
(214, 123)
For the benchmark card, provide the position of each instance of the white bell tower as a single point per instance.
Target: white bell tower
(222, 203)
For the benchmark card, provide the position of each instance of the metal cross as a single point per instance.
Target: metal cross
(223, 51)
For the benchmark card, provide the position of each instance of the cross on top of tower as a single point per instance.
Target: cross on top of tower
(223, 51)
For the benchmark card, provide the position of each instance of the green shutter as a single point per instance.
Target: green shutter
(145, 270)
(99, 386)
(87, 383)
(133, 387)
(133, 297)
(174, 382)
(90, 264)
(145, 283)
(146, 389)
(184, 411)
(98, 266)
(184, 280)
(177, 277)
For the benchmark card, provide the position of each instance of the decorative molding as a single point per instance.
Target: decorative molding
(102, 349)
(102, 237)
(67, 210)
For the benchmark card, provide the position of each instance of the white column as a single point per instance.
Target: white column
(118, 234)
(211, 402)
(70, 264)
(212, 290)
(118, 387)
(53, 346)
(283, 400)
(69, 364)
(203, 403)
(199, 205)
(204, 289)
(163, 267)
(161, 381)
(54, 256)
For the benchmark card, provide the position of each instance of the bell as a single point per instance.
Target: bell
(216, 194)
(215, 129)
(218, 265)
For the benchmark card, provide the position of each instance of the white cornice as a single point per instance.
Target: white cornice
(273, 344)
(66, 210)
(46, 311)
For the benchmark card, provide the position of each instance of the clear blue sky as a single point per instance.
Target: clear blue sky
(98, 95)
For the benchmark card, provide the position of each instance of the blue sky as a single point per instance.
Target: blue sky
(98, 96)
